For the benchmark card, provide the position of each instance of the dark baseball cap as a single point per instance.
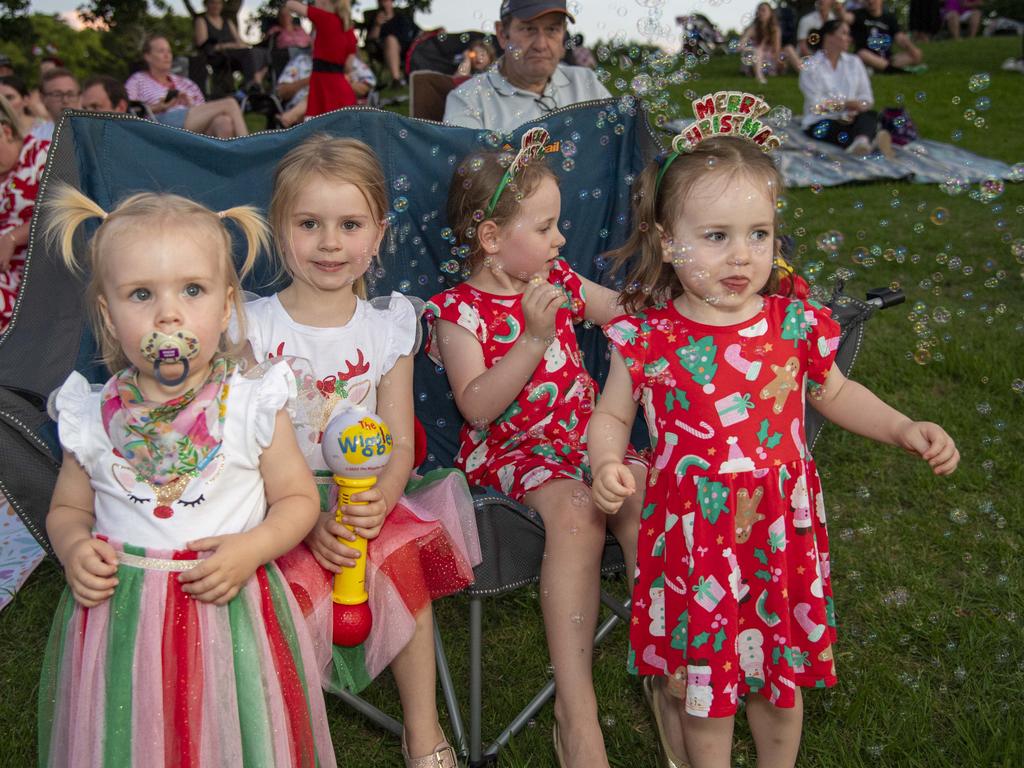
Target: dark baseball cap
(5, 60)
(528, 10)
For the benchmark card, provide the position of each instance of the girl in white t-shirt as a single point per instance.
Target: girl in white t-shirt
(177, 639)
(328, 217)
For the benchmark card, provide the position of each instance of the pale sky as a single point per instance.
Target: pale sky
(635, 20)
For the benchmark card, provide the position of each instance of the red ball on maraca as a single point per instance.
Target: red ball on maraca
(356, 446)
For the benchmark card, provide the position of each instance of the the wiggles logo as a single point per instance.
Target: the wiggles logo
(364, 440)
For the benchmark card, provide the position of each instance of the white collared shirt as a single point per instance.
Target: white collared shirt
(822, 86)
(491, 102)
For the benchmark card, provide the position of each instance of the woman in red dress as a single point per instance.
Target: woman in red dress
(334, 42)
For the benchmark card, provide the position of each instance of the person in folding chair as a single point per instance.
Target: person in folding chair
(506, 339)
(328, 215)
(530, 79)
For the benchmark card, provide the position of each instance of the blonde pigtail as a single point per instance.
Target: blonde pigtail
(255, 230)
(67, 210)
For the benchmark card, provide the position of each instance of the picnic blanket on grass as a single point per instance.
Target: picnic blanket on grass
(805, 162)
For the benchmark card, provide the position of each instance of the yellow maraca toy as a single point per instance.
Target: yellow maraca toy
(356, 446)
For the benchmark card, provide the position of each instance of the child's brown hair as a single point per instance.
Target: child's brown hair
(658, 204)
(469, 196)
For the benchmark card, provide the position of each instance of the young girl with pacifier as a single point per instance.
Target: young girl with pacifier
(177, 641)
(506, 339)
(328, 215)
(733, 598)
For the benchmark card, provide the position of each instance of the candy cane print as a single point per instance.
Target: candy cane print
(749, 369)
(812, 628)
(707, 434)
(670, 440)
(794, 432)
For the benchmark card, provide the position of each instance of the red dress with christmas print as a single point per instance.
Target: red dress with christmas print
(17, 202)
(733, 594)
(542, 435)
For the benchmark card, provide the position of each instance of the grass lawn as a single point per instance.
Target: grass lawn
(928, 573)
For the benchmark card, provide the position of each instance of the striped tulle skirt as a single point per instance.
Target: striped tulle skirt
(426, 550)
(153, 677)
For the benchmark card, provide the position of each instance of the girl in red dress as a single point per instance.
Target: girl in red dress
(733, 596)
(507, 341)
(334, 42)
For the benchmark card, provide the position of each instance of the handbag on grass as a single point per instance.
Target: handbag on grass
(896, 120)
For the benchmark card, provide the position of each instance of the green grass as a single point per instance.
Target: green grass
(928, 572)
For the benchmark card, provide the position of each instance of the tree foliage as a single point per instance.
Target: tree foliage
(89, 51)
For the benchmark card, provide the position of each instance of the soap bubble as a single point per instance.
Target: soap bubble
(979, 82)
(991, 188)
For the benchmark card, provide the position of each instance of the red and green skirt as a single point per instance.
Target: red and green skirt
(153, 677)
(426, 550)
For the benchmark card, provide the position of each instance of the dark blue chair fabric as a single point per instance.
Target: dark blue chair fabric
(602, 147)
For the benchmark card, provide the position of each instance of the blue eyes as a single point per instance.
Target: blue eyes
(140, 294)
(348, 226)
(193, 290)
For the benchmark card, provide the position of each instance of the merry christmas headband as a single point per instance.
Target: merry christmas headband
(530, 146)
(725, 113)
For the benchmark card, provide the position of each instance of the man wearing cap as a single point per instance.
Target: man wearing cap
(6, 67)
(529, 80)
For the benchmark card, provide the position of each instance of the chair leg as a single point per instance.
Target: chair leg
(371, 713)
(475, 681)
(444, 674)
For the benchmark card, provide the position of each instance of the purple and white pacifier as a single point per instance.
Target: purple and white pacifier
(170, 349)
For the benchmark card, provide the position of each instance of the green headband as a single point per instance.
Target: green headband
(661, 171)
(530, 146)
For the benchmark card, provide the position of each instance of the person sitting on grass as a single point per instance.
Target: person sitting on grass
(876, 37)
(837, 96)
(761, 45)
(957, 12)
(823, 11)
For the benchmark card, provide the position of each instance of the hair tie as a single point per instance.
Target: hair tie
(221, 214)
(530, 146)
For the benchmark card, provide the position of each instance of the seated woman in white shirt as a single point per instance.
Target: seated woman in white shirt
(837, 96)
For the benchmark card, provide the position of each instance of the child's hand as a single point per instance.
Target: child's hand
(367, 518)
(931, 443)
(218, 578)
(332, 554)
(91, 571)
(541, 301)
(613, 484)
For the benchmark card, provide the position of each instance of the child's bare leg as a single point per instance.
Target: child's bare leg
(708, 740)
(416, 676)
(776, 731)
(570, 589)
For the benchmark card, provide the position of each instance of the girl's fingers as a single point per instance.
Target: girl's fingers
(90, 598)
(92, 581)
(333, 530)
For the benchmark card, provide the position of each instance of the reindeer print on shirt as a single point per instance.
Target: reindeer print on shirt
(164, 497)
(337, 387)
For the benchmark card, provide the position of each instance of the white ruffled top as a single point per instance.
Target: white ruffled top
(226, 497)
(348, 361)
